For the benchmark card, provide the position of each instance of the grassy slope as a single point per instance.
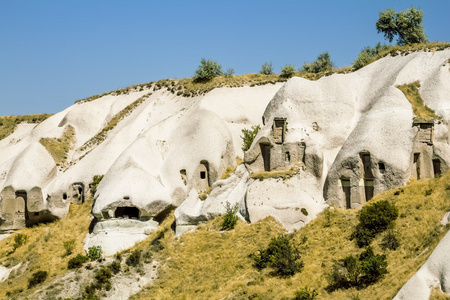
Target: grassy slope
(209, 264)
(9, 123)
(421, 111)
(44, 249)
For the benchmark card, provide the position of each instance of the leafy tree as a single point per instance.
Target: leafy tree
(207, 70)
(321, 64)
(406, 25)
(266, 68)
(249, 136)
(287, 71)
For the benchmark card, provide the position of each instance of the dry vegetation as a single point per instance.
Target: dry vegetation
(209, 264)
(9, 123)
(284, 174)
(59, 147)
(421, 111)
(44, 249)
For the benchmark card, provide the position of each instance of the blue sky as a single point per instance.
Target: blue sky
(55, 52)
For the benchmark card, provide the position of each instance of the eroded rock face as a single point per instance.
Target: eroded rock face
(356, 133)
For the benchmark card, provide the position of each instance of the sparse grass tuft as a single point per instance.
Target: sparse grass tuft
(9, 123)
(285, 174)
(421, 111)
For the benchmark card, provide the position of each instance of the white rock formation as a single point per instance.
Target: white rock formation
(435, 273)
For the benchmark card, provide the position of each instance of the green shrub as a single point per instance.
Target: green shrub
(249, 136)
(207, 70)
(95, 182)
(390, 241)
(103, 276)
(19, 240)
(266, 68)
(287, 71)
(37, 278)
(374, 219)
(281, 255)
(305, 294)
(229, 72)
(321, 64)
(134, 259)
(114, 266)
(69, 245)
(77, 261)
(94, 253)
(366, 55)
(230, 218)
(361, 271)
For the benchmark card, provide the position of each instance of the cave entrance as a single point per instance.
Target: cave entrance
(127, 212)
(265, 152)
(21, 211)
(416, 165)
(78, 192)
(437, 167)
(368, 189)
(346, 188)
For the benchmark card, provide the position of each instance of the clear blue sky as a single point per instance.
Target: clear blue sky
(55, 52)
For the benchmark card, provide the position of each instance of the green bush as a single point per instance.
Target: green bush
(69, 245)
(321, 64)
(134, 259)
(155, 244)
(281, 255)
(94, 253)
(229, 72)
(77, 261)
(207, 70)
(374, 219)
(305, 294)
(19, 240)
(390, 241)
(103, 276)
(37, 278)
(366, 55)
(114, 266)
(249, 136)
(361, 271)
(266, 68)
(287, 71)
(230, 218)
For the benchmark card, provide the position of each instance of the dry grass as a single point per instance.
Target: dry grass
(230, 170)
(285, 174)
(9, 123)
(209, 264)
(421, 111)
(58, 148)
(44, 249)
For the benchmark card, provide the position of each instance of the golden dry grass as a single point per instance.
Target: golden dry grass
(9, 123)
(230, 170)
(209, 264)
(421, 111)
(44, 249)
(285, 174)
(59, 147)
